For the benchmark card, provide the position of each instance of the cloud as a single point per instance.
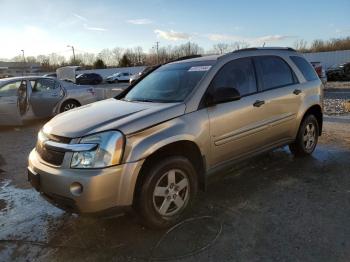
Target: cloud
(172, 35)
(249, 40)
(94, 28)
(223, 37)
(143, 21)
(80, 17)
(342, 30)
(272, 38)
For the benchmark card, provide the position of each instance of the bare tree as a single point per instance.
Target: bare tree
(300, 45)
(55, 59)
(117, 54)
(239, 45)
(86, 58)
(221, 48)
(107, 56)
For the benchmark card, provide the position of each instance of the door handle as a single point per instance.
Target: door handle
(258, 103)
(54, 95)
(296, 91)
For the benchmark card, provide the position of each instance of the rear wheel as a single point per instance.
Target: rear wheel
(167, 192)
(68, 105)
(307, 137)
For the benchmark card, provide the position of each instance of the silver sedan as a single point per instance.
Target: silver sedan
(31, 97)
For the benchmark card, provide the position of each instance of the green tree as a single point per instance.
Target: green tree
(99, 64)
(125, 61)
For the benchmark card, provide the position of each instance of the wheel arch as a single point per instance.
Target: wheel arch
(186, 148)
(315, 110)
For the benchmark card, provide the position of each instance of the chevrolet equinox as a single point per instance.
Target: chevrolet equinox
(155, 145)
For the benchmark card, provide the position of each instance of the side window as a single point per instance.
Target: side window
(43, 85)
(305, 68)
(237, 74)
(274, 72)
(12, 89)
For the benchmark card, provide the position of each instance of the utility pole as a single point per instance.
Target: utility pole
(73, 52)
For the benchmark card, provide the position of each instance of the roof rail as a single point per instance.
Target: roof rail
(265, 48)
(183, 58)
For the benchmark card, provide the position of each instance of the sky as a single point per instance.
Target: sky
(47, 26)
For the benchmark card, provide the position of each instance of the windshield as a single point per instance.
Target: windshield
(169, 83)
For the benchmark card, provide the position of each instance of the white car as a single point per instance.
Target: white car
(119, 77)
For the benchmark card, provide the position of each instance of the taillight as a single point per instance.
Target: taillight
(319, 71)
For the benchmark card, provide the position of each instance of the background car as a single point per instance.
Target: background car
(89, 79)
(339, 72)
(320, 71)
(24, 98)
(119, 77)
(143, 72)
(51, 75)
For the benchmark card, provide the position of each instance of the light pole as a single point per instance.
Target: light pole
(73, 52)
(24, 60)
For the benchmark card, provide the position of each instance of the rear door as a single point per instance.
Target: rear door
(282, 96)
(238, 127)
(45, 96)
(13, 97)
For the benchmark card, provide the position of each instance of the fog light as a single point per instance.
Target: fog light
(76, 189)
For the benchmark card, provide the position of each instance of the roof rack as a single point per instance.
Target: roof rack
(265, 48)
(183, 58)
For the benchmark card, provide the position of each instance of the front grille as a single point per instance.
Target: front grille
(51, 156)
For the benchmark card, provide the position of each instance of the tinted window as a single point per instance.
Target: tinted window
(274, 72)
(237, 74)
(305, 68)
(42, 85)
(11, 89)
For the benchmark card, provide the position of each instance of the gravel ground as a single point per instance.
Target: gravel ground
(272, 208)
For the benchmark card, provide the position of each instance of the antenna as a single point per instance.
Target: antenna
(264, 44)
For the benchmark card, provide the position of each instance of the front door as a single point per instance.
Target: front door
(45, 96)
(237, 127)
(13, 102)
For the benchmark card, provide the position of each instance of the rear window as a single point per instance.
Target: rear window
(305, 68)
(274, 72)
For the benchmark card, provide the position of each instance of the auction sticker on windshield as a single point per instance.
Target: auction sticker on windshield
(199, 68)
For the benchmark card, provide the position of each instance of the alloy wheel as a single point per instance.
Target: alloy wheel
(171, 192)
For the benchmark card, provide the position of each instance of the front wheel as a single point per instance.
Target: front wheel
(167, 192)
(307, 137)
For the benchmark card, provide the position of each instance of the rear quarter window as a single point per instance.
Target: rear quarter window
(274, 72)
(305, 68)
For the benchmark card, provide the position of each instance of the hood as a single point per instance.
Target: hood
(112, 114)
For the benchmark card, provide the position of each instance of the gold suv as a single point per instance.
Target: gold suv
(152, 147)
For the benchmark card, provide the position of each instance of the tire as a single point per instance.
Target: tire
(307, 137)
(168, 204)
(68, 105)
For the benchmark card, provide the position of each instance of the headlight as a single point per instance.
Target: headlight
(108, 153)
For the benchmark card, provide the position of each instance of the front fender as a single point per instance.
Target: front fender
(193, 127)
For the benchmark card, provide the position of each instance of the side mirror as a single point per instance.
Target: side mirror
(223, 95)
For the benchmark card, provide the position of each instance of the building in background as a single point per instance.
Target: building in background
(328, 59)
(18, 69)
